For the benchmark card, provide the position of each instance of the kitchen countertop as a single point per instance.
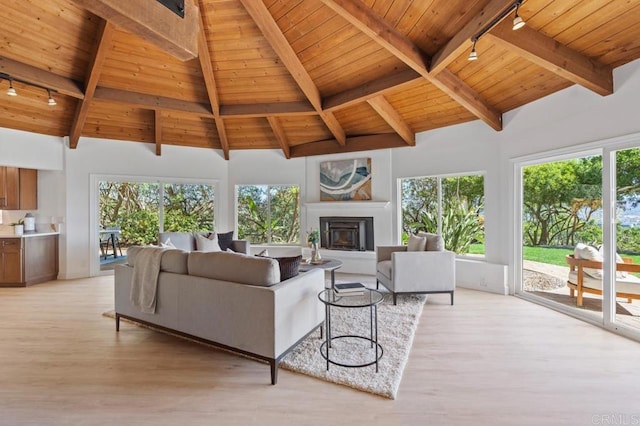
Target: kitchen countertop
(29, 234)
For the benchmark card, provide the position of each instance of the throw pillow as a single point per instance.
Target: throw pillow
(167, 244)
(289, 266)
(205, 244)
(583, 251)
(416, 243)
(619, 274)
(225, 240)
(435, 242)
(263, 253)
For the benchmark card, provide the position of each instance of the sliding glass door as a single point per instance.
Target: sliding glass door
(132, 212)
(580, 234)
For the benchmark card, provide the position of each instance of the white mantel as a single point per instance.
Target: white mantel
(348, 204)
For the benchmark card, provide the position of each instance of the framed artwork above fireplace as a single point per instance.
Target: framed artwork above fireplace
(345, 180)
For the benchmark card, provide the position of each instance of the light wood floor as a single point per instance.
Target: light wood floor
(488, 359)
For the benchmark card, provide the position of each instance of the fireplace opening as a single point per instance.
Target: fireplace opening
(346, 233)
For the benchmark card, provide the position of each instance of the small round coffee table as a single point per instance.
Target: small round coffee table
(326, 264)
(368, 299)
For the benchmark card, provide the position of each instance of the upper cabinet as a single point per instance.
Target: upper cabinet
(18, 188)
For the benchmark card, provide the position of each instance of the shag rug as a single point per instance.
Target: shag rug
(396, 328)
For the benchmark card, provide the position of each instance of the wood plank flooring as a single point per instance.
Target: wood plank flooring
(488, 359)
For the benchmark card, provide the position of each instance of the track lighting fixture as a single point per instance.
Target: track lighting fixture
(11, 91)
(518, 23)
(51, 101)
(473, 56)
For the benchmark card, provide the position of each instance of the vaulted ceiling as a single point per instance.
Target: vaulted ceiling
(308, 77)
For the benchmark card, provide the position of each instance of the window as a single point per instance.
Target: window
(449, 206)
(136, 210)
(269, 214)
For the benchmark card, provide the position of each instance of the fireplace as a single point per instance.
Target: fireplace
(346, 233)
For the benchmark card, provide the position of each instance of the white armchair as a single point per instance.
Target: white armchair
(403, 271)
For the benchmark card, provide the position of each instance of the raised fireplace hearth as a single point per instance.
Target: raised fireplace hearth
(346, 233)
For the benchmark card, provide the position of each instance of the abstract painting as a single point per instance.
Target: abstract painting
(345, 180)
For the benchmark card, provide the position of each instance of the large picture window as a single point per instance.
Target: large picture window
(451, 206)
(269, 214)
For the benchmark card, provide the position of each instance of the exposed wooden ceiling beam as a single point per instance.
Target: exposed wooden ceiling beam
(43, 78)
(153, 22)
(102, 46)
(363, 18)
(141, 100)
(271, 31)
(354, 144)
(212, 89)
(395, 120)
(462, 40)
(158, 131)
(222, 135)
(280, 135)
(369, 90)
(264, 110)
(555, 57)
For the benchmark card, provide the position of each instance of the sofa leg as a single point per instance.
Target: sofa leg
(377, 285)
(117, 322)
(321, 331)
(452, 298)
(395, 299)
(274, 371)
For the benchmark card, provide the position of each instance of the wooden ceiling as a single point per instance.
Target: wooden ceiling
(308, 77)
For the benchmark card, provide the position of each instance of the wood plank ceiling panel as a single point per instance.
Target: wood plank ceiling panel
(29, 111)
(117, 121)
(246, 68)
(138, 66)
(250, 133)
(300, 130)
(361, 119)
(439, 22)
(337, 56)
(53, 35)
(188, 130)
(424, 107)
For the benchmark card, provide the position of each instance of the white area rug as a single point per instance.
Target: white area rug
(396, 328)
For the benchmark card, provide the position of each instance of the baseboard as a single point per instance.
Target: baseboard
(480, 275)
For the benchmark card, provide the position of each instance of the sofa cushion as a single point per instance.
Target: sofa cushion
(416, 243)
(435, 242)
(173, 260)
(235, 267)
(289, 266)
(207, 244)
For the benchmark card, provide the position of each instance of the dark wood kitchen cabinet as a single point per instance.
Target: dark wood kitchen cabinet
(28, 260)
(18, 188)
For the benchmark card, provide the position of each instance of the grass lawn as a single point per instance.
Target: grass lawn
(551, 255)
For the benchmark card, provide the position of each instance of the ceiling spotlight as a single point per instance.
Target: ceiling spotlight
(518, 22)
(11, 91)
(473, 56)
(51, 102)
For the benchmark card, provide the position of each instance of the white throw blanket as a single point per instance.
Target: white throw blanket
(144, 282)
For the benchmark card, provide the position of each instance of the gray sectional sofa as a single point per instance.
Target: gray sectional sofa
(231, 300)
